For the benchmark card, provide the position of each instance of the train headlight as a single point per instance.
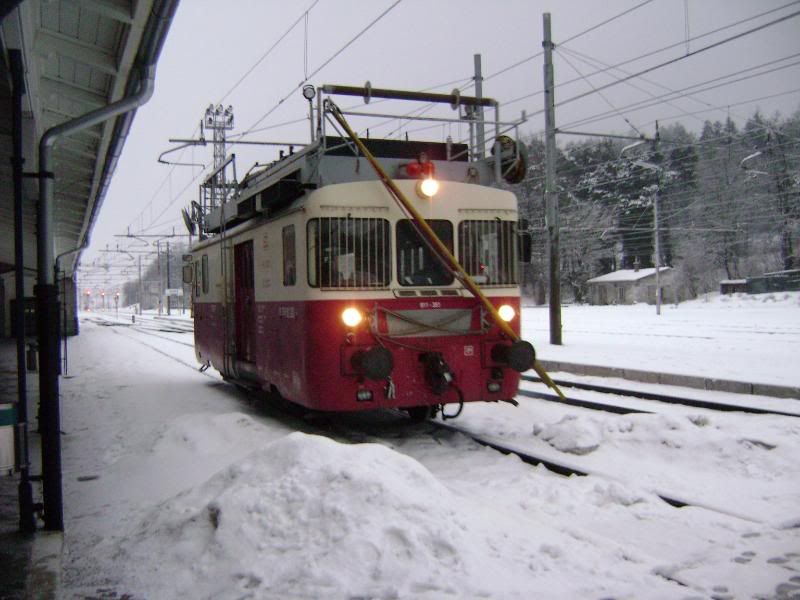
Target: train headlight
(427, 188)
(507, 313)
(352, 316)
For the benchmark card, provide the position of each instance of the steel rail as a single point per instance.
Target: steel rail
(617, 410)
(706, 404)
(566, 470)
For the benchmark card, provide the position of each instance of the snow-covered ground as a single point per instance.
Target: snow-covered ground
(176, 487)
(741, 337)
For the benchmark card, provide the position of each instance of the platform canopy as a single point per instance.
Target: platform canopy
(77, 56)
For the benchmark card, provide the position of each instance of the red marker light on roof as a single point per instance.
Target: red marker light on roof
(419, 170)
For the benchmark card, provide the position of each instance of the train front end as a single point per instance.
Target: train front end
(388, 324)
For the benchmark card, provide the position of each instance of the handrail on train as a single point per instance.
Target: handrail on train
(368, 92)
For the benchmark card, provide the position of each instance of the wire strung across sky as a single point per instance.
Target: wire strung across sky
(252, 128)
(349, 43)
(303, 15)
(657, 51)
(154, 223)
(684, 57)
(527, 59)
(686, 92)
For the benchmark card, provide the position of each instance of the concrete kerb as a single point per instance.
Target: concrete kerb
(690, 381)
(44, 574)
(763, 389)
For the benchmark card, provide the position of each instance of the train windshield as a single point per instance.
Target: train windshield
(487, 251)
(416, 263)
(349, 253)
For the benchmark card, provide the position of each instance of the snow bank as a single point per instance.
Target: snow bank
(306, 516)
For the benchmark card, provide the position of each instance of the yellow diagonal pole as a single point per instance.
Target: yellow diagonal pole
(437, 243)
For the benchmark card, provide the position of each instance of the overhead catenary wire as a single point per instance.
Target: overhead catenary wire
(689, 90)
(538, 54)
(154, 222)
(574, 37)
(593, 62)
(684, 57)
(303, 17)
(657, 51)
(725, 106)
(569, 39)
(158, 218)
(349, 43)
(599, 93)
(247, 73)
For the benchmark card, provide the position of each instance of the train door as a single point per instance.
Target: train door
(245, 306)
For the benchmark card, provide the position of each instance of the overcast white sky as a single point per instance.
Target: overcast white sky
(421, 44)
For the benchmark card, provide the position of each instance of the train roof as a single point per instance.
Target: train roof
(282, 184)
(332, 160)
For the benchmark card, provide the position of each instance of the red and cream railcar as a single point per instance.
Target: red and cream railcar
(323, 290)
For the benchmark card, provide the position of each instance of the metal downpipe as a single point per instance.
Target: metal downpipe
(47, 296)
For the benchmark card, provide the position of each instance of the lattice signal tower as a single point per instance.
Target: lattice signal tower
(219, 119)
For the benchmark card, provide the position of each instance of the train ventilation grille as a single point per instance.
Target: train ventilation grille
(425, 293)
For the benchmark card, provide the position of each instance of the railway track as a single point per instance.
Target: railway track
(386, 431)
(153, 325)
(395, 426)
(358, 429)
(564, 467)
(639, 395)
(148, 326)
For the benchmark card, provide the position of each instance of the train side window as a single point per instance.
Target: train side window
(289, 256)
(416, 263)
(487, 251)
(349, 253)
(204, 272)
(196, 280)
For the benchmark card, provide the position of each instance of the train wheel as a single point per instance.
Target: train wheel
(419, 414)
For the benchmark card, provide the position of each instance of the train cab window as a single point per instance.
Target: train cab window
(204, 273)
(487, 251)
(196, 284)
(416, 263)
(289, 256)
(349, 253)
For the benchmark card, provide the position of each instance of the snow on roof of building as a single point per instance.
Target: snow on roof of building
(626, 275)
